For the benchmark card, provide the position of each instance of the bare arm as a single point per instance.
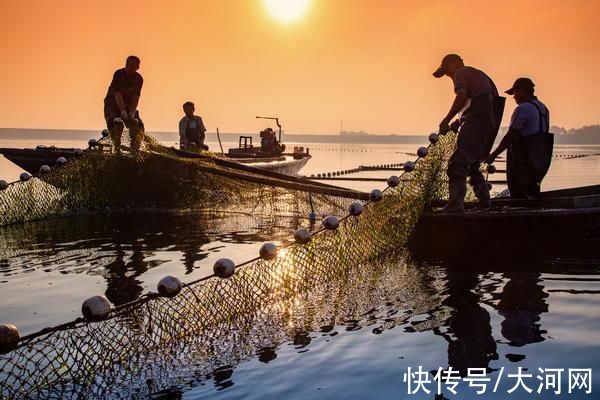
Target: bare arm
(134, 103)
(120, 102)
(504, 143)
(459, 102)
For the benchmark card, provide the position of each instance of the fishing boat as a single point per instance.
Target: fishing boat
(271, 159)
(561, 224)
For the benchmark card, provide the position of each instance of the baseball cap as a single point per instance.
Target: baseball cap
(448, 58)
(521, 83)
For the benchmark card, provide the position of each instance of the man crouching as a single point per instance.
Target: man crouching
(120, 105)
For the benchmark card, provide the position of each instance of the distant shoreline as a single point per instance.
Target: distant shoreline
(588, 136)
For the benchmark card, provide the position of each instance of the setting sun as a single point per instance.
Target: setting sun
(286, 10)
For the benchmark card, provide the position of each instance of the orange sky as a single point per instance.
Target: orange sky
(366, 61)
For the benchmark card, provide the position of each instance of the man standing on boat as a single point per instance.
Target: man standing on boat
(476, 94)
(191, 129)
(528, 141)
(121, 102)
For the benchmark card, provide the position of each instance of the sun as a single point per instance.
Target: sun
(286, 10)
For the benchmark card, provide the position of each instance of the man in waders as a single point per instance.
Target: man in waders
(121, 102)
(191, 130)
(528, 141)
(476, 93)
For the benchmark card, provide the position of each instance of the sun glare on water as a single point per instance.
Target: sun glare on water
(286, 10)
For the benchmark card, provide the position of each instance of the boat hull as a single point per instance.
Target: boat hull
(32, 159)
(551, 228)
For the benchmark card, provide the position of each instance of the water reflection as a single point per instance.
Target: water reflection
(521, 303)
(470, 341)
(123, 250)
(518, 297)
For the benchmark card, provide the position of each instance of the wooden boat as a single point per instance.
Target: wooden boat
(562, 224)
(32, 159)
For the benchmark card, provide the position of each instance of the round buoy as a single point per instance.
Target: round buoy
(24, 177)
(331, 223)
(169, 286)
(9, 337)
(491, 169)
(434, 137)
(44, 169)
(422, 152)
(61, 160)
(393, 181)
(375, 195)
(224, 268)
(268, 251)
(105, 132)
(355, 209)
(96, 308)
(78, 152)
(302, 236)
(409, 166)
(92, 143)
(3, 184)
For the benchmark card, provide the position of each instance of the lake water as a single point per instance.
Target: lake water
(500, 320)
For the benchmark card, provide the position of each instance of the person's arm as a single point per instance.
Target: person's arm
(517, 121)
(202, 130)
(459, 102)
(503, 145)
(182, 138)
(136, 98)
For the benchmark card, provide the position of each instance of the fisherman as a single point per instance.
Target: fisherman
(477, 95)
(528, 141)
(191, 129)
(121, 102)
(269, 144)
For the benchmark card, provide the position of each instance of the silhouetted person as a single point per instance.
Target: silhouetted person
(121, 102)
(192, 132)
(528, 141)
(476, 92)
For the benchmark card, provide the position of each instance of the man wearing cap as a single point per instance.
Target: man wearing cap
(476, 94)
(120, 104)
(528, 141)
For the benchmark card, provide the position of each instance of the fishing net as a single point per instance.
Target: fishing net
(154, 343)
(159, 178)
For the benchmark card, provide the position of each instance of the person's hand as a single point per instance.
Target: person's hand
(444, 127)
(491, 158)
(124, 115)
(455, 125)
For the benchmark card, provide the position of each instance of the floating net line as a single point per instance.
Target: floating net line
(152, 343)
(160, 178)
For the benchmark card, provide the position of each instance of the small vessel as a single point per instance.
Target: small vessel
(561, 224)
(247, 154)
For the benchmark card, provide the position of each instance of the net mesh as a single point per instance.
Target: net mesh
(157, 178)
(149, 345)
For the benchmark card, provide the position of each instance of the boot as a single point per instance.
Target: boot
(456, 198)
(483, 195)
(135, 135)
(115, 136)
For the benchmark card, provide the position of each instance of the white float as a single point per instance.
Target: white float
(355, 209)
(169, 286)
(302, 236)
(96, 308)
(268, 251)
(224, 268)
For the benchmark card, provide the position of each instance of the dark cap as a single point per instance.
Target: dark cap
(448, 58)
(521, 83)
